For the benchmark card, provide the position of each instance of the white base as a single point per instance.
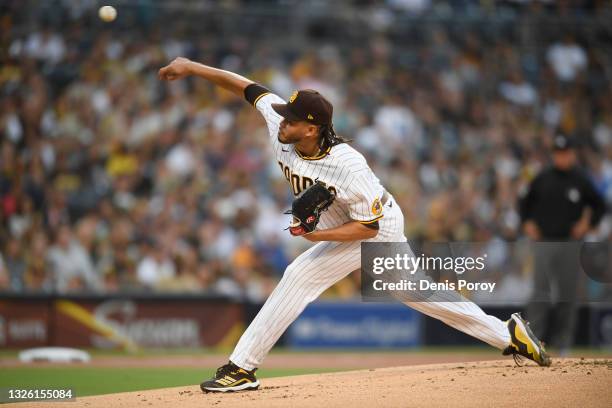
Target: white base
(54, 355)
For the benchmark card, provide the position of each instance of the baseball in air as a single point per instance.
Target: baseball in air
(107, 13)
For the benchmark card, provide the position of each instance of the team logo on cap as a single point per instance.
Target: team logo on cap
(574, 195)
(293, 96)
(560, 142)
(376, 207)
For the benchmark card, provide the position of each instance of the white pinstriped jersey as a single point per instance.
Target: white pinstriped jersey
(343, 170)
(358, 193)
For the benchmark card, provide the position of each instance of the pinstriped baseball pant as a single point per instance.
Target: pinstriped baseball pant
(324, 264)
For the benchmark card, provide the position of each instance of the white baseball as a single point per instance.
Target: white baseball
(107, 13)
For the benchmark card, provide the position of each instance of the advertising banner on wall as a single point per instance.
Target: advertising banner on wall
(120, 323)
(24, 323)
(355, 324)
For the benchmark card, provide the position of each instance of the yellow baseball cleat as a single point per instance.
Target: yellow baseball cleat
(229, 378)
(524, 343)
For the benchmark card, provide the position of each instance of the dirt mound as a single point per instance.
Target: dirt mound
(569, 382)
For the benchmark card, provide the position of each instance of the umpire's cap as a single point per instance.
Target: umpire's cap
(307, 105)
(563, 142)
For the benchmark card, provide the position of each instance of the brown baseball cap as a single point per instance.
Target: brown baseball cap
(307, 105)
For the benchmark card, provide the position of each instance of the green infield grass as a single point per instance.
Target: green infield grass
(105, 380)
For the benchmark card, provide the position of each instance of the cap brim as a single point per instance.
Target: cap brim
(283, 110)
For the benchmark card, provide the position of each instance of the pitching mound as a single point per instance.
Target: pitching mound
(569, 383)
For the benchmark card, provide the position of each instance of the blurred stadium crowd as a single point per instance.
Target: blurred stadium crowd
(111, 180)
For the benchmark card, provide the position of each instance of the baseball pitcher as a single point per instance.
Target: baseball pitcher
(341, 203)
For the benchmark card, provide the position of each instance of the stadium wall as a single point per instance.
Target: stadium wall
(163, 321)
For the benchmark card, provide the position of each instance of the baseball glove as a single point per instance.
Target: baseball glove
(307, 208)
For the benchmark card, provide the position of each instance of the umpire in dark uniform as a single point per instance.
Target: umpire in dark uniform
(560, 207)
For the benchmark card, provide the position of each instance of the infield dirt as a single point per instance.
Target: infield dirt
(568, 383)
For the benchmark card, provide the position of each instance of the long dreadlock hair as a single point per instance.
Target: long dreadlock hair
(329, 137)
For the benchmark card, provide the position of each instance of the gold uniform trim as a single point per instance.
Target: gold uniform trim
(259, 97)
(371, 221)
(317, 157)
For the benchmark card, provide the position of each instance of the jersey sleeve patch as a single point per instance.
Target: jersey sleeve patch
(377, 207)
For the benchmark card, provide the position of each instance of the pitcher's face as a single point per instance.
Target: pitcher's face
(291, 132)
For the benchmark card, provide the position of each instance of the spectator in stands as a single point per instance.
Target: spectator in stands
(37, 278)
(567, 58)
(156, 265)
(71, 265)
(4, 276)
(185, 279)
(453, 123)
(15, 265)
